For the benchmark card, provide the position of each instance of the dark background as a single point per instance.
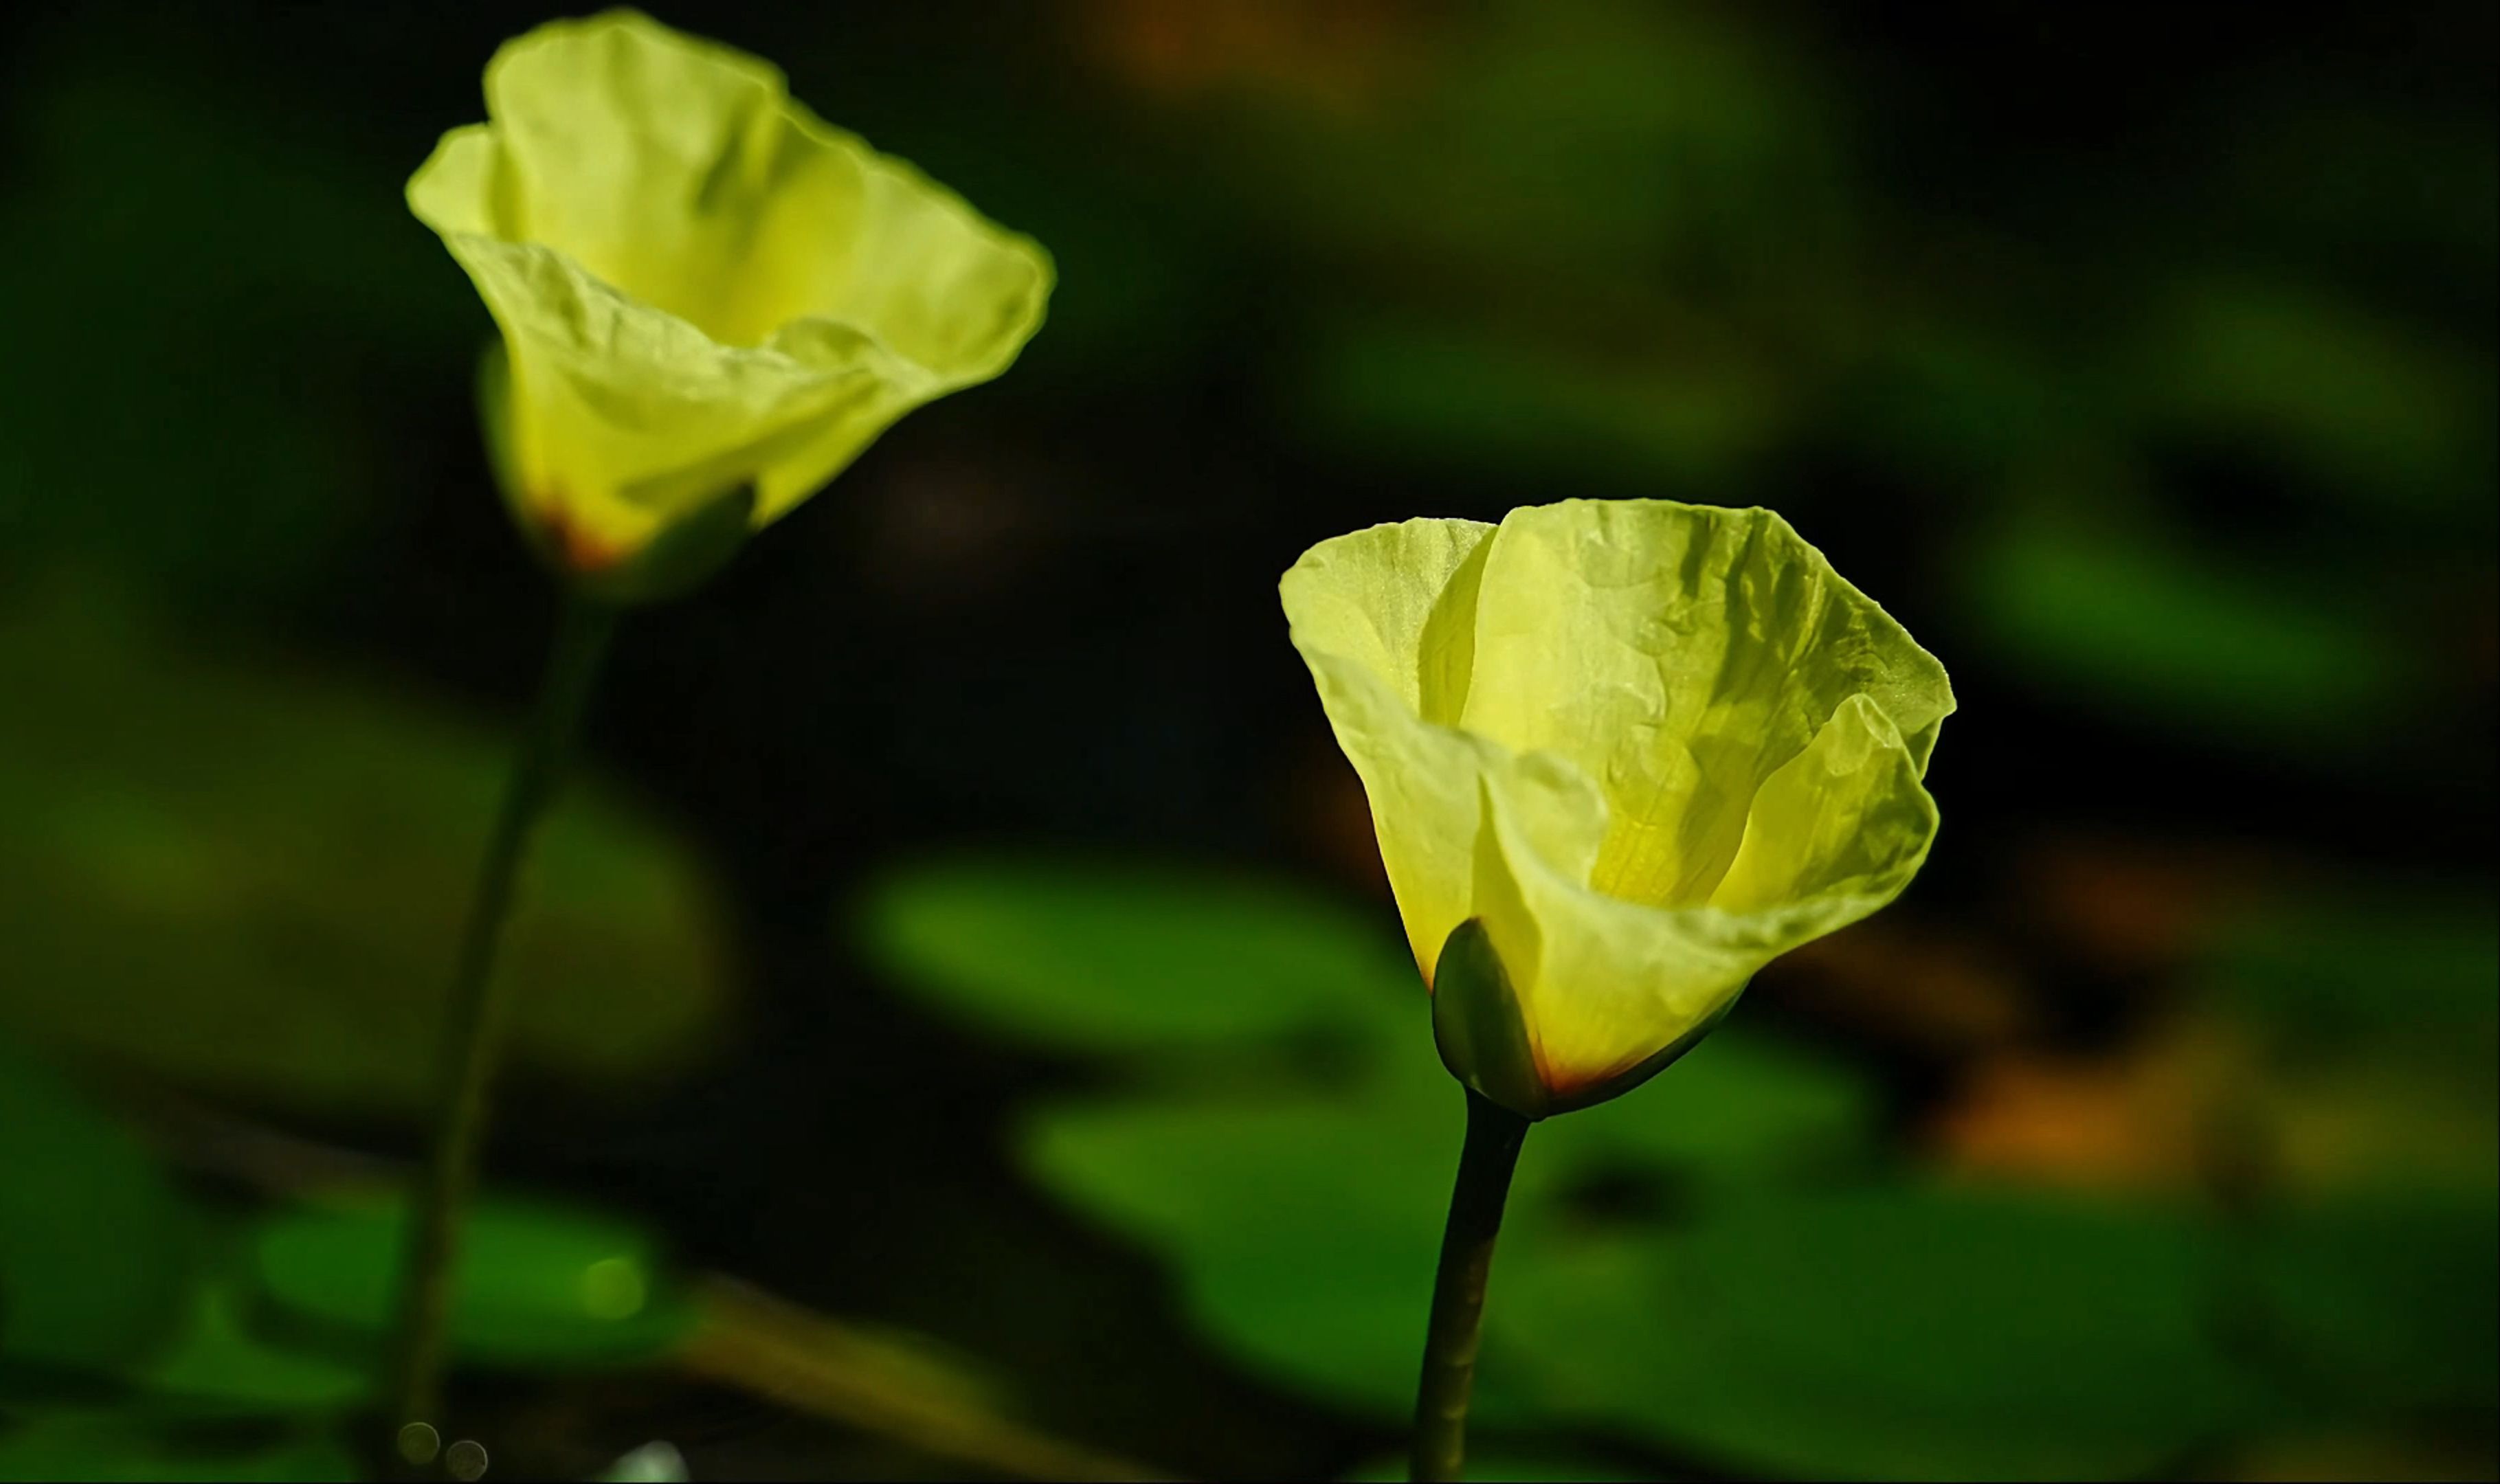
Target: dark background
(2141, 365)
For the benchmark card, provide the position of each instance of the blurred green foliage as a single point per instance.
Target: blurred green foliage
(220, 1365)
(104, 1448)
(1001, 944)
(2150, 634)
(2160, 393)
(535, 1289)
(200, 413)
(244, 881)
(2408, 960)
(72, 1301)
(148, 1333)
(1723, 1264)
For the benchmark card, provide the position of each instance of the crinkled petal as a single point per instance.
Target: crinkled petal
(1648, 747)
(1680, 654)
(700, 283)
(1605, 984)
(1383, 618)
(1427, 784)
(1836, 832)
(1398, 601)
(683, 174)
(624, 417)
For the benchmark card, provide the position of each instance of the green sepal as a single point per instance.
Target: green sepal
(1478, 1026)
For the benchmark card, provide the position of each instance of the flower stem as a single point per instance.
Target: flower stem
(1485, 1163)
(475, 1015)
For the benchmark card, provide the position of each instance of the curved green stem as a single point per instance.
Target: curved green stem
(475, 1015)
(1485, 1164)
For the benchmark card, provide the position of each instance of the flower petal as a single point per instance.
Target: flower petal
(681, 173)
(1836, 832)
(1604, 983)
(701, 284)
(1384, 618)
(1397, 601)
(1680, 654)
(1636, 750)
(624, 416)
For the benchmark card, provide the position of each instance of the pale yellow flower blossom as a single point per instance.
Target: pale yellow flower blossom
(1620, 755)
(705, 292)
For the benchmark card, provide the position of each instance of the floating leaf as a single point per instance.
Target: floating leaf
(1128, 958)
(1304, 1232)
(220, 1366)
(1667, 1272)
(1738, 1104)
(119, 1447)
(1893, 1333)
(96, 1250)
(253, 883)
(2382, 1306)
(1303, 1235)
(536, 1287)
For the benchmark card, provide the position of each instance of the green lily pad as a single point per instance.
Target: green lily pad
(253, 883)
(1128, 958)
(106, 1447)
(2379, 1308)
(1895, 1332)
(537, 1287)
(1673, 1265)
(1304, 1232)
(1738, 1105)
(1301, 1230)
(220, 1366)
(97, 1251)
(1303, 1235)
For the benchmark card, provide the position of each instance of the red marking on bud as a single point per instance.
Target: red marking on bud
(579, 550)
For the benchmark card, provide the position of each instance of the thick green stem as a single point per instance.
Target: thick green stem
(1485, 1163)
(474, 1018)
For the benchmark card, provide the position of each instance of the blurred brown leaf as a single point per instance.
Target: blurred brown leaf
(2134, 906)
(1336, 54)
(2137, 1119)
(1901, 982)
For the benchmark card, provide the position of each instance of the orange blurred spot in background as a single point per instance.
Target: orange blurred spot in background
(2140, 1118)
(1332, 53)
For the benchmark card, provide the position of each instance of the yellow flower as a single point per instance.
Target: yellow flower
(706, 293)
(1620, 755)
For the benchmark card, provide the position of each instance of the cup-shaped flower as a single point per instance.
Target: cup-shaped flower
(706, 294)
(1620, 754)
